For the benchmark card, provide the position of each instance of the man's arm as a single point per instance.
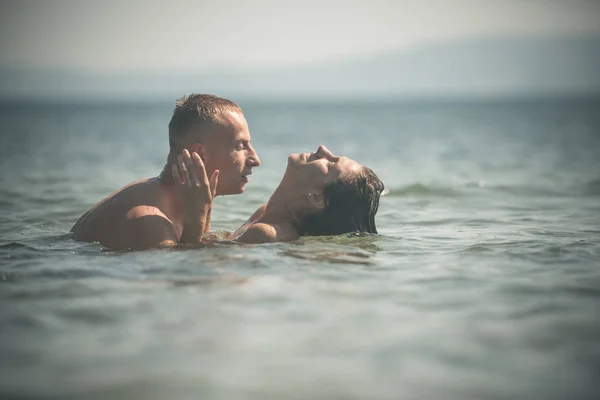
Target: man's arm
(195, 227)
(149, 228)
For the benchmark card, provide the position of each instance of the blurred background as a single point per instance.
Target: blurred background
(310, 49)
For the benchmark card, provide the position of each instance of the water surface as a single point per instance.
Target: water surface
(483, 283)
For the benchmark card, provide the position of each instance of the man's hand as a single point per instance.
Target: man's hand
(197, 194)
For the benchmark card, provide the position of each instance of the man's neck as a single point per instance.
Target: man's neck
(166, 175)
(172, 196)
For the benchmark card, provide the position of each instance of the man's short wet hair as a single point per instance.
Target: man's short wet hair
(191, 112)
(351, 203)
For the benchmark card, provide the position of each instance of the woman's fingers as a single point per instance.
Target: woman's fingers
(184, 171)
(191, 169)
(200, 170)
(214, 180)
(191, 172)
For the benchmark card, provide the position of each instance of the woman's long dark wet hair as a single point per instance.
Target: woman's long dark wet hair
(351, 203)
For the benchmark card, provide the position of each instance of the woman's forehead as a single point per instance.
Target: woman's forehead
(348, 165)
(344, 167)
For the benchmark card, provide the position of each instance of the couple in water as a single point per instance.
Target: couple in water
(211, 154)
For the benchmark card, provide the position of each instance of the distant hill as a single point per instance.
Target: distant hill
(492, 67)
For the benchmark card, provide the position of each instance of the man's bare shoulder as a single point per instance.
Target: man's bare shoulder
(135, 193)
(141, 227)
(124, 199)
(129, 218)
(148, 227)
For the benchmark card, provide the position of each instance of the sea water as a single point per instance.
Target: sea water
(484, 280)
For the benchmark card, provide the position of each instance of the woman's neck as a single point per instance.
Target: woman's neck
(282, 208)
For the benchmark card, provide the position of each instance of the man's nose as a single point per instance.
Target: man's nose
(253, 158)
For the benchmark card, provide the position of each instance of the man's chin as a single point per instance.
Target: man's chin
(230, 191)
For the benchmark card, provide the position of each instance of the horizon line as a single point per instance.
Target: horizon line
(8, 102)
(323, 62)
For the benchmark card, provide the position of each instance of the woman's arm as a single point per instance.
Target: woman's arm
(258, 233)
(265, 233)
(257, 214)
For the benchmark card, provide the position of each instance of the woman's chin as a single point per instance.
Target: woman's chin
(294, 160)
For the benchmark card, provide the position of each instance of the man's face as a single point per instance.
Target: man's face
(227, 148)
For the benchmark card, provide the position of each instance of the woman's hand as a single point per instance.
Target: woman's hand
(197, 194)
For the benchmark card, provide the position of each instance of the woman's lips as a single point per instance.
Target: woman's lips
(308, 157)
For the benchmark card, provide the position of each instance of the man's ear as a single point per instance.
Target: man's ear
(316, 200)
(198, 148)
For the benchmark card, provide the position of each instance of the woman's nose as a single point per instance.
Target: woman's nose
(324, 151)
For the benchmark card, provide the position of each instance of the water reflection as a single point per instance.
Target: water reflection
(356, 249)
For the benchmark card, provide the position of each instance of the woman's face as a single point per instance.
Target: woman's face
(313, 170)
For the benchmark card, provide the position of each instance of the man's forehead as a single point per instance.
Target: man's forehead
(231, 127)
(231, 117)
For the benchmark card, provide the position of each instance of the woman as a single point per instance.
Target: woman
(319, 194)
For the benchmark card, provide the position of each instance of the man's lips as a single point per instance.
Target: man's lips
(245, 176)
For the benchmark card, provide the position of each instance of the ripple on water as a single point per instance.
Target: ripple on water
(423, 190)
(484, 281)
(592, 187)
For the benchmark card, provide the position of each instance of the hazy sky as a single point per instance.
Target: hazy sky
(181, 35)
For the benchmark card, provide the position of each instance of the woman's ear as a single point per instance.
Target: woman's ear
(316, 200)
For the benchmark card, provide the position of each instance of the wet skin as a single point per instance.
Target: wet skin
(176, 206)
(299, 192)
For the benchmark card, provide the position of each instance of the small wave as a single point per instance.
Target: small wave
(329, 255)
(364, 241)
(477, 248)
(418, 189)
(17, 246)
(529, 190)
(436, 190)
(342, 249)
(10, 197)
(526, 190)
(592, 187)
(4, 203)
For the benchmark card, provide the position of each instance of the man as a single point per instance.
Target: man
(208, 136)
